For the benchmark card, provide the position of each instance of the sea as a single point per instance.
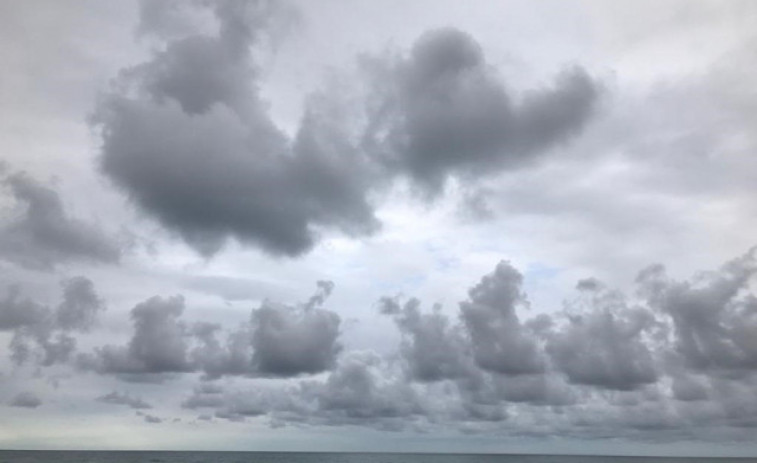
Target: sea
(20, 456)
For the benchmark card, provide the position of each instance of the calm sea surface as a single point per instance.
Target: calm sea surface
(273, 457)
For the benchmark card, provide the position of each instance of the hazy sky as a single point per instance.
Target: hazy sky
(514, 226)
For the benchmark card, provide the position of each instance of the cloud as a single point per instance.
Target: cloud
(80, 305)
(26, 400)
(499, 341)
(149, 418)
(714, 317)
(288, 341)
(17, 312)
(42, 335)
(216, 359)
(446, 112)
(671, 358)
(43, 235)
(605, 345)
(360, 391)
(279, 340)
(432, 348)
(227, 170)
(158, 345)
(118, 398)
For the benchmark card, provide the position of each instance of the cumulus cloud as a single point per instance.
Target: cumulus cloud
(672, 357)
(604, 345)
(216, 359)
(714, 317)
(433, 348)
(278, 340)
(43, 235)
(500, 342)
(43, 335)
(17, 312)
(360, 390)
(80, 305)
(292, 340)
(158, 345)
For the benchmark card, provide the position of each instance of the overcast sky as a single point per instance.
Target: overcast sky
(506, 226)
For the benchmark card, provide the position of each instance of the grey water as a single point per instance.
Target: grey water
(19, 456)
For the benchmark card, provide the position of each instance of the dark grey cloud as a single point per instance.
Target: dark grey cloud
(17, 311)
(41, 345)
(608, 365)
(80, 307)
(605, 345)
(158, 345)
(153, 419)
(432, 347)
(43, 235)
(279, 340)
(26, 400)
(216, 359)
(357, 392)
(714, 316)
(227, 170)
(688, 388)
(445, 111)
(294, 340)
(490, 356)
(122, 398)
(499, 341)
(149, 418)
(42, 335)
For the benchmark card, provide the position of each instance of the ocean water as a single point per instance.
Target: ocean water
(13, 456)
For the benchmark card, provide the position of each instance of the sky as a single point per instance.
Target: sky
(439, 226)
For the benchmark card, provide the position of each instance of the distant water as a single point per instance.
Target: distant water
(12, 456)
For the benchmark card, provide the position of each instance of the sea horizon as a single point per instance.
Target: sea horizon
(409, 453)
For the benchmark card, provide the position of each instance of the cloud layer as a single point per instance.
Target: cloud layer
(676, 357)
